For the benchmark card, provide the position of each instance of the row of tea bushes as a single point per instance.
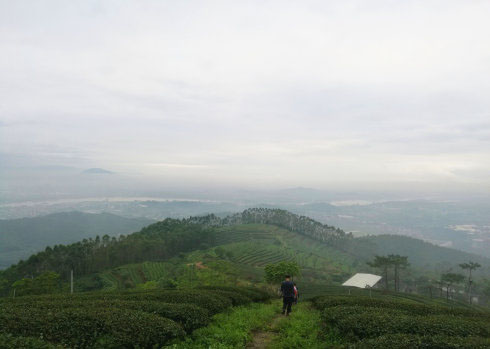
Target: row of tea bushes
(407, 341)
(190, 316)
(367, 323)
(8, 341)
(118, 319)
(402, 305)
(255, 294)
(89, 327)
(208, 300)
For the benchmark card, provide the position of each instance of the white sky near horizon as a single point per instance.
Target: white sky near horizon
(280, 93)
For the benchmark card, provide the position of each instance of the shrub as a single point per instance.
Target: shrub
(406, 306)
(255, 294)
(190, 316)
(357, 322)
(205, 299)
(235, 297)
(406, 341)
(91, 327)
(8, 341)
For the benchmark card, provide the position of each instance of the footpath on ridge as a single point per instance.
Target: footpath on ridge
(300, 329)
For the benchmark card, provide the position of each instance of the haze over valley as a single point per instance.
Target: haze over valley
(244, 174)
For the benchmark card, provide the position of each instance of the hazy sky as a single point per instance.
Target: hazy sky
(283, 93)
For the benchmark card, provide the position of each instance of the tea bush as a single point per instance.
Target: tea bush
(115, 319)
(387, 323)
(406, 341)
(255, 294)
(364, 322)
(407, 306)
(87, 328)
(208, 300)
(190, 316)
(8, 341)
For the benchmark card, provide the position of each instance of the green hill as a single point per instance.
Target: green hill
(234, 250)
(19, 238)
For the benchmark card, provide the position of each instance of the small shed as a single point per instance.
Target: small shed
(362, 280)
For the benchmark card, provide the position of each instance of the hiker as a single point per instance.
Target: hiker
(296, 293)
(287, 291)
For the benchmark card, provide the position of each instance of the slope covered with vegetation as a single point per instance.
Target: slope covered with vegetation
(232, 250)
(359, 321)
(19, 238)
(115, 320)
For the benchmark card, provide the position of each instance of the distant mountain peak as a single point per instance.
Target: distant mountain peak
(97, 170)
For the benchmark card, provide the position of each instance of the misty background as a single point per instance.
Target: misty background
(370, 116)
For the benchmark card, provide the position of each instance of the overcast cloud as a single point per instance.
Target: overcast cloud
(281, 93)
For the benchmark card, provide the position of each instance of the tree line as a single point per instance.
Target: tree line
(158, 241)
(447, 280)
(280, 218)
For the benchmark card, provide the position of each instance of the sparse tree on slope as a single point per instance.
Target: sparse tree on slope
(470, 266)
(383, 263)
(398, 262)
(450, 279)
(275, 273)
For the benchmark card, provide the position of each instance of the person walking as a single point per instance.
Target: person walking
(287, 291)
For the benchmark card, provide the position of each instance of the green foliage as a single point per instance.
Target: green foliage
(190, 316)
(47, 282)
(21, 236)
(149, 285)
(402, 323)
(400, 305)
(8, 341)
(275, 273)
(157, 241)
(87, 328)
(450, 279)
(361, 322)
(118, 319)
(384, 263)
(408, 341)
(255, 294)
(301, 330)
(232, 329)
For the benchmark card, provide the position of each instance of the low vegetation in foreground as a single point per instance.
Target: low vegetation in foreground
(364, 322)
(115, 320)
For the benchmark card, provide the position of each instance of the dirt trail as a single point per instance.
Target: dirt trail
(261, 339)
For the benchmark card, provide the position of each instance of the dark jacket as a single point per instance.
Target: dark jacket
(287, 289)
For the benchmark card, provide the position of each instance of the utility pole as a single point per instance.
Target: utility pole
(71, 281)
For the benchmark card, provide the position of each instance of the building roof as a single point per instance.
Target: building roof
(362, 280)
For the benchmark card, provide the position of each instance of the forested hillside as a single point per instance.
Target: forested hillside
(280, 218)
(160, 241)
(19, 238)
(231, 248)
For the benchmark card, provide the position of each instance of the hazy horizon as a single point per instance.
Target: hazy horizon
(345, 96)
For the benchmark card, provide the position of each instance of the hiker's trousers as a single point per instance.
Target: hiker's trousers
(287, 302)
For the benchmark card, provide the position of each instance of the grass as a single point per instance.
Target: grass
(302, 330)
(232, 329)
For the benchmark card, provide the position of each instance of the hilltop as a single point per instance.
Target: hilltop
(234, 249)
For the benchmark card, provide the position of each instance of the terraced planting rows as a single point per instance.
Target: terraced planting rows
(115, 319)
(398, 322)
(134, 273)
(247, 232)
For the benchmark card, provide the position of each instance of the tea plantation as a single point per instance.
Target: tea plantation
(114, 320)
(391, 322)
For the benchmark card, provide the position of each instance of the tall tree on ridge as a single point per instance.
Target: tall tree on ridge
(398, 262)
(451, 279)
(383, 263)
